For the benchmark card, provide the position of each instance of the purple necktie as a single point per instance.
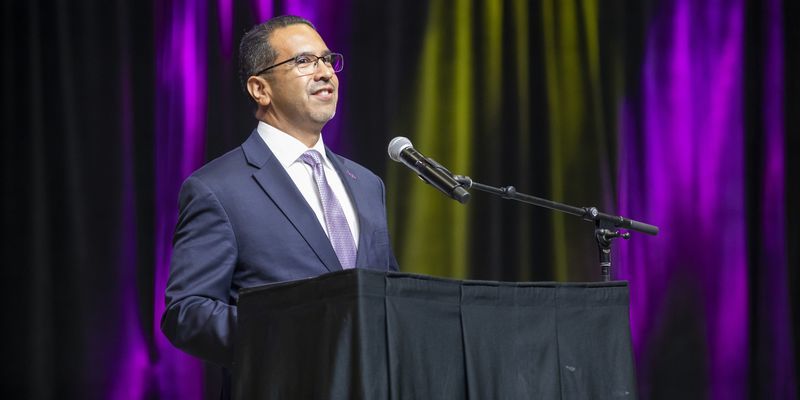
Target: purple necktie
(338, 230)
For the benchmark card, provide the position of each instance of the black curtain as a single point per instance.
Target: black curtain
(792, 110)
(73, 74)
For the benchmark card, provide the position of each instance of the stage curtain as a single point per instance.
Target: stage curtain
(679, 113)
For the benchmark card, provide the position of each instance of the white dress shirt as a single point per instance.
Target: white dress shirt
(288, 150)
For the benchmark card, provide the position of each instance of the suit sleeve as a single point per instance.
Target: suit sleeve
(199, 318)
(393, 265)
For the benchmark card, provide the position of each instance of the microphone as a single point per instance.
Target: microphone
(433, 173)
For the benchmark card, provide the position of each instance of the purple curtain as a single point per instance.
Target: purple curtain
(682, 166)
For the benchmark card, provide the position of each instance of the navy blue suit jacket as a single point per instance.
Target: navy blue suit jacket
(244, 223)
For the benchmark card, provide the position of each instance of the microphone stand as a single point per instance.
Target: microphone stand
(606, 225)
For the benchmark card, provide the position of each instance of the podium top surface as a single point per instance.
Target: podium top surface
(371, 283)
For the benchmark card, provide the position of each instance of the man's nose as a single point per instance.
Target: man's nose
(323, 71)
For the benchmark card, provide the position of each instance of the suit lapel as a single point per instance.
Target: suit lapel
(357, 193)
(277, 184)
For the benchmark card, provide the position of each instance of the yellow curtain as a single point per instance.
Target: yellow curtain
(475, 60)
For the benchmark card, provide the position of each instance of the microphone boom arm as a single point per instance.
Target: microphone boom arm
(605, 224)
(587, 213)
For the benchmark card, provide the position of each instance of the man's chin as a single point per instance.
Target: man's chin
(324, 117)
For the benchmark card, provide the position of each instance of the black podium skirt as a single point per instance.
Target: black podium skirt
(362, 334)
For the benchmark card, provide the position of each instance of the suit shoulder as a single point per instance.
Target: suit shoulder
(356, 168)
(222, 167)
(222, 173)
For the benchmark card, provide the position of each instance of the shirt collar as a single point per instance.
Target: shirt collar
(285, 147)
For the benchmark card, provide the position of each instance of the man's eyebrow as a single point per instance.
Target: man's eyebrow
(309, 53)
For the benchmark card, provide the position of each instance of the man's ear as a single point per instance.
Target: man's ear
(259, 90)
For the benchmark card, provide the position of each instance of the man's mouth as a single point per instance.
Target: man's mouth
(323, 93)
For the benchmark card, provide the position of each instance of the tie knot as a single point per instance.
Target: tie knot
(312, 158)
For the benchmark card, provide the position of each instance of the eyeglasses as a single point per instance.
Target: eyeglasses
(307, 63)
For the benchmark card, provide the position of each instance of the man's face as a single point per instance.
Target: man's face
(298, 101)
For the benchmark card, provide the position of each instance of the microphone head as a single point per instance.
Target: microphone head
(397, 145)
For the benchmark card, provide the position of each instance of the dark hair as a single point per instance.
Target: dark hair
(255, 50)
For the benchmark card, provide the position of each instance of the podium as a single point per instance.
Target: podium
(364, 334)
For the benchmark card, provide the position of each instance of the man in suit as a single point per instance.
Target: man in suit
(280, 207)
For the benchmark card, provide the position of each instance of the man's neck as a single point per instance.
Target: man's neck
(305, 137)
(308, 137)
